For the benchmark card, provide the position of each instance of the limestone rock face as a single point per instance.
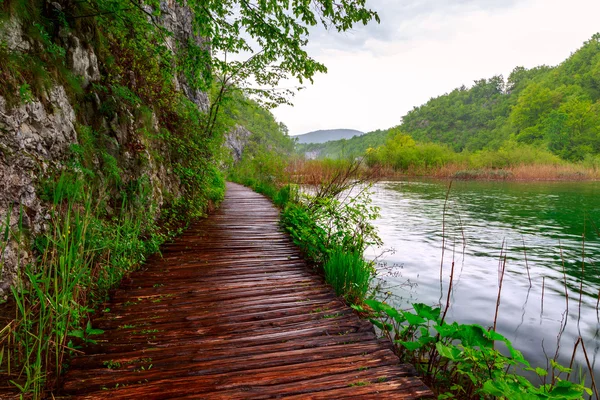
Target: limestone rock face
(36, 137)
(83, 61)
(236, 141)
(178, 19)
(31, 139)
(11, 33)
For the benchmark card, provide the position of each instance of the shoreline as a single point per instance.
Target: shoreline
(311, 171)
(483, 179)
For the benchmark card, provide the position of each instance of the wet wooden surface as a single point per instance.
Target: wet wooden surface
(231, 311)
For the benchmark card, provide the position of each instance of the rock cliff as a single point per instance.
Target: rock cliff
(39, 132)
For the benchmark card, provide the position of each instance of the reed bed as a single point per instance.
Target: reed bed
(313, 172)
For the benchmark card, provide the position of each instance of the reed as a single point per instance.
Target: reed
(526, 262)
(543, 290)
(520, 172)
(562, 259)
(324, 172)
(501, 271)
(349, 275)
(81, 257)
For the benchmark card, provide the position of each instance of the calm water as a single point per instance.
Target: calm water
(480, 217)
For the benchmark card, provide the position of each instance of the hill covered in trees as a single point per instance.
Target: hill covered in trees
(344, 148)
(548, 108)
(557, 108)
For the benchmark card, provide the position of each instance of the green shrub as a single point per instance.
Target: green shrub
(461, 361)
(513, 154)
(331, 233)
(305, 232)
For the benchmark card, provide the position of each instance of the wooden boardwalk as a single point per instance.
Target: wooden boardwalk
(231, 311)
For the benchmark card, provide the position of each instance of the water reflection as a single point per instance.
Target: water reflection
(550, 234)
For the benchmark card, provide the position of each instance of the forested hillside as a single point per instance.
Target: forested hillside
(550, 108)
(344, 148)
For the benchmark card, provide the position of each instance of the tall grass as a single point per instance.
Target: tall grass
(535, 172)
(81, 257)
(349, 275)
(49, 295)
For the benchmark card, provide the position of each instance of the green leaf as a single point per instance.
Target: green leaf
(473, 335)
(559, 367)
(374, 304)
(383, 326)
(357, 307)
(412, 346)
(447, 330)
(413, 319)
(427, 312)
(566, 390)
(494, 388)
(450, 352)
(78, 333)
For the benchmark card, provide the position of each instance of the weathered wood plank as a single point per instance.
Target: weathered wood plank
(230, 310)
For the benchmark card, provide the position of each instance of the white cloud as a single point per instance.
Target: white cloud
(374, 81)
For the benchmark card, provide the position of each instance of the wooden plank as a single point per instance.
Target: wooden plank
(229, 310)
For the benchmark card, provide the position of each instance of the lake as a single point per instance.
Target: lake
(534, 222)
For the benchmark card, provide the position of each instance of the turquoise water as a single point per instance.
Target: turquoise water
(533, 223)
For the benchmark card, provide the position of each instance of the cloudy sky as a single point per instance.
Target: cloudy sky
(424, 48)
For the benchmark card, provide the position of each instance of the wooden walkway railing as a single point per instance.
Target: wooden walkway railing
(231, 311)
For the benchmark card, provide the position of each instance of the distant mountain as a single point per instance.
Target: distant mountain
(349, 148)
(327, 135)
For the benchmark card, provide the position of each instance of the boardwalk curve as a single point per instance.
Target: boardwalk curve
(231, 311)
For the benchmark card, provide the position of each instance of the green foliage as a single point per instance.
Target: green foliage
(275, 33)
(305, 232)
(331, 232)
(345, 148)
(84, 334)
(464, 118)
(266, 167)
(462, 361)
(103, 221)
(322, 226)
(349, 274)
(533, 104)
(554, 109)
(266, 151)
(268, 139)
(512, 154)
(401, 152)
(22, 76)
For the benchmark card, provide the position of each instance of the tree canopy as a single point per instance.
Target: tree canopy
(271, 37)
(551, 109)
(556, 108)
